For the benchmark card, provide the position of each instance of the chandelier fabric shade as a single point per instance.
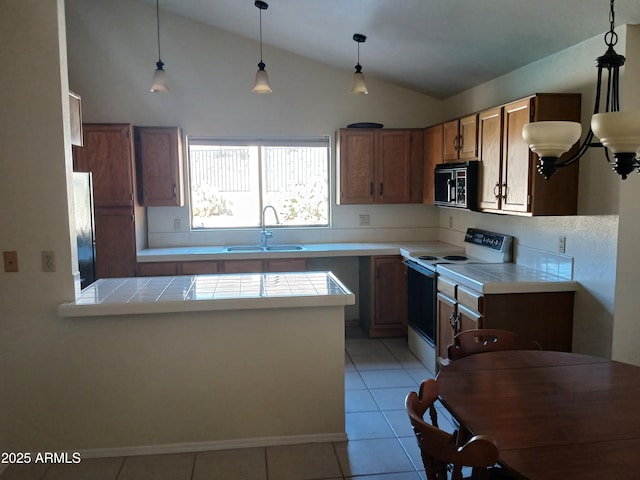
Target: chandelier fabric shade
(618, 132)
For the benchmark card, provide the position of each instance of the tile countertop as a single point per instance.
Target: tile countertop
(506, 278)
(191, 293)
(177, 254)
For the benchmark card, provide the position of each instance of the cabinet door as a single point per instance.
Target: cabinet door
(451, 141)
(154, 269)
(446, 310)
(159, 161)
(356, 157)
(199, 267)
(468, 139)
(490, 145)
(115, 242)
(468, 319)
(108, 150)
(286, 265)
(389, 295)
(242, 266)
(432, 157)
(516, 168)
(393, 166)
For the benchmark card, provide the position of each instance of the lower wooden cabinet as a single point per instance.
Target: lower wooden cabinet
(203, 267)
(546, 317)
(383, 296)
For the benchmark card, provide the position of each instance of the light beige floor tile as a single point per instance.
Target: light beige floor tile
(237, 464)
(369, 457)
(353, 381)
(158, 467)
(29, 471)
(376, 361)
(363, 425)
(359, 401)
(391, 398)
(399, 421)
(390, 476)
(90, 468)
(388, 379)
(302, 462)
(364, 346)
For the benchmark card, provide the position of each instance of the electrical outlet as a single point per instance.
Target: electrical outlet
(48, 261)
(364, 220)
(562, 244)
(10, 261)
(177, 224)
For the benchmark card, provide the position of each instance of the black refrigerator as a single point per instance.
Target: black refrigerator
(83, 199)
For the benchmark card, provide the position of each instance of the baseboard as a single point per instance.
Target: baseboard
(215, 445)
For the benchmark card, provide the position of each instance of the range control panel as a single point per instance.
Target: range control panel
(495, 241)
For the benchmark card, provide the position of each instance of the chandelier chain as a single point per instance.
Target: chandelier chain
(611, 37)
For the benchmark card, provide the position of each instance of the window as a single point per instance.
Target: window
(233, 180)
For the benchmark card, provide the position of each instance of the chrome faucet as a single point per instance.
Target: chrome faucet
(264, 234)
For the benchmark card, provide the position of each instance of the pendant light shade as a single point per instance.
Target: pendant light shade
(262, 79)
(619, 132)
(358, 85)
(159, 83)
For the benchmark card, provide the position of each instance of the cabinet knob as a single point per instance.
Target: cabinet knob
(496, 191)
(175, 190)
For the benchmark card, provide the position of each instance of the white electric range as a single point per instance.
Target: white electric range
(481, 247)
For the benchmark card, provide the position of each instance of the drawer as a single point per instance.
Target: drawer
(447, 287)
(471, 299)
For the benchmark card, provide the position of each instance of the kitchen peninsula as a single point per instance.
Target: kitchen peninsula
(222, 360)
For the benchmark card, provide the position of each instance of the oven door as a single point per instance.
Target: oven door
(421, 300)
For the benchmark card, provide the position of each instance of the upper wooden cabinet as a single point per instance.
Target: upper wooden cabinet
(159, 156)
(460, 139)
(380, 165)
(432, 156)
(509, 182)
(108, 154)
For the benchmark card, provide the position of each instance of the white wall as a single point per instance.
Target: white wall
(211, 74)
(592, 234)
(626, 332)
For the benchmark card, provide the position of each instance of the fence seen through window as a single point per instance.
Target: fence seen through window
(232, 181)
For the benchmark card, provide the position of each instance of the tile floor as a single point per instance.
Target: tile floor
(381, 445)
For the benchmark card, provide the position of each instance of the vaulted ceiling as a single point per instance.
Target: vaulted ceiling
(438, 47)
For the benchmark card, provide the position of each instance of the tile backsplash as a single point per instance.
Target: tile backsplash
(548, 262)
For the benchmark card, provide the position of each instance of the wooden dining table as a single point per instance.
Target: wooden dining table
(554, 415)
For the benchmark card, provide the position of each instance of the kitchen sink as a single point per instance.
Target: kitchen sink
(283, 248)
(244, 248)
(270, 248)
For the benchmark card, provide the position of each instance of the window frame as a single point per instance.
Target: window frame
(323, 141)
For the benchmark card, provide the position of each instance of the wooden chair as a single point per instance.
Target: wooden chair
(470, 342)
(440, 450)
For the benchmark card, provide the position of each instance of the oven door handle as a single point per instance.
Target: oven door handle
(419, 268)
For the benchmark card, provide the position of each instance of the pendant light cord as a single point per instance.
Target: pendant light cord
(158, 25)
(260, 35)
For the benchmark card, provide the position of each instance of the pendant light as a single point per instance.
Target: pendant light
(262, 80)
(358, 86)
(160, 76)
(619, 132)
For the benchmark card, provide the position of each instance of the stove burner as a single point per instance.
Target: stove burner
(427, 257)
(455, 257)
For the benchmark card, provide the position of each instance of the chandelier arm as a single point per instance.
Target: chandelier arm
(581, 151)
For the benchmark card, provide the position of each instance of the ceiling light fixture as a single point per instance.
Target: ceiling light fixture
(618, 131)
(358, 85)
(262, 80)
(159, 76)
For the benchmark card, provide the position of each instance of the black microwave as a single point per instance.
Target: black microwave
(456, 185)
